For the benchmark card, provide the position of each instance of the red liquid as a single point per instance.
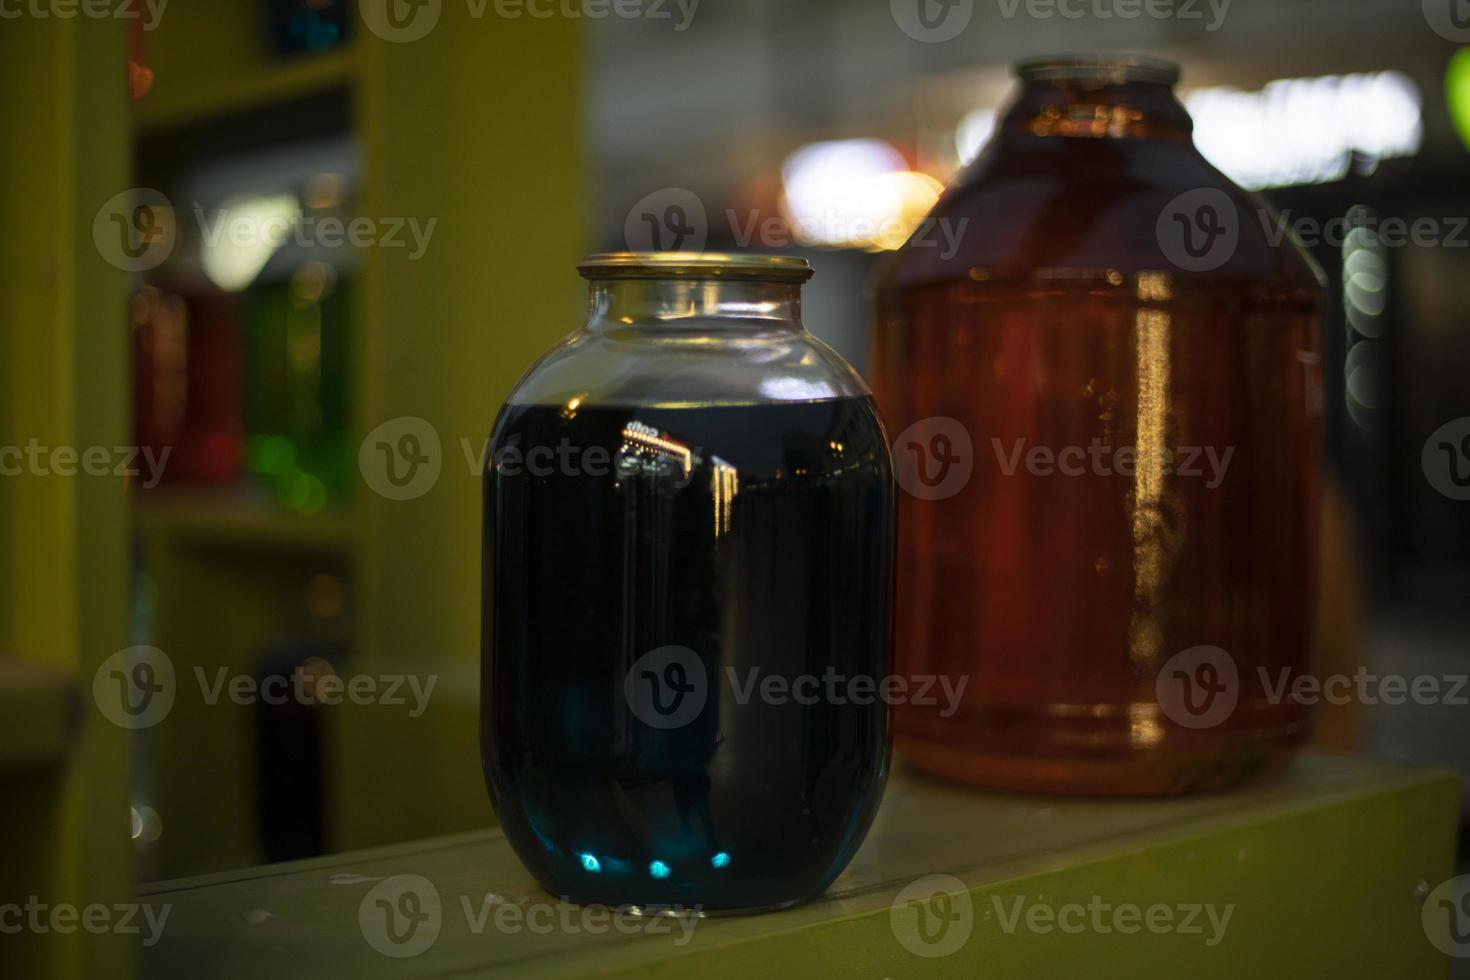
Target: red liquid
(1063, 584)
(1060, 596)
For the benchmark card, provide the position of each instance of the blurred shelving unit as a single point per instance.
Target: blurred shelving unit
(241, 521)
(441, 337)
(41, 708)
(63, 551)
(256, 87)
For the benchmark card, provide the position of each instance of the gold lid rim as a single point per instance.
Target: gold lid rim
(694, 265)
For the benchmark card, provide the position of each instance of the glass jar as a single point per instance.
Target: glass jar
(688, 518)
(1123, 349)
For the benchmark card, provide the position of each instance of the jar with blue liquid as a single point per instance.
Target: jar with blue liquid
(688, 578)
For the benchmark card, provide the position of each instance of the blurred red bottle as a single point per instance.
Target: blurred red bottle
(1131, 351)
(187, 384)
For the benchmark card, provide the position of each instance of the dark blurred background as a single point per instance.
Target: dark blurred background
(312, 219)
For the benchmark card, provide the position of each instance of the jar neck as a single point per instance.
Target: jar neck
(1092, 106)
(694, 303)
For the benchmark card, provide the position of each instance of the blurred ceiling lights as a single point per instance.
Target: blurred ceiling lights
(1294, 130)
(1307, 130)
(857, 193)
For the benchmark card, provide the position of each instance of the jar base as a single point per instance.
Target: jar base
(681, 910)
(1168, 770)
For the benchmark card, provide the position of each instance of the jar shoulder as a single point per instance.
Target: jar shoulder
(1087, 204)
(687, 365)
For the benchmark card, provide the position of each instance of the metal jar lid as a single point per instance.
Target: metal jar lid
(1098, 69)
(694, 265)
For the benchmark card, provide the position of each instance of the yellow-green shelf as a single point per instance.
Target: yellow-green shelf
(1324, 871)
(174, 105)
(240, 519)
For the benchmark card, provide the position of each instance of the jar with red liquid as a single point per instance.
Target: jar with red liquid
(1100, 360)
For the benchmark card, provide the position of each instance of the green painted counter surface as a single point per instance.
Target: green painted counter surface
(1322, 872)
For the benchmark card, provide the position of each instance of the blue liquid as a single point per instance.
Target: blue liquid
(759, 540)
